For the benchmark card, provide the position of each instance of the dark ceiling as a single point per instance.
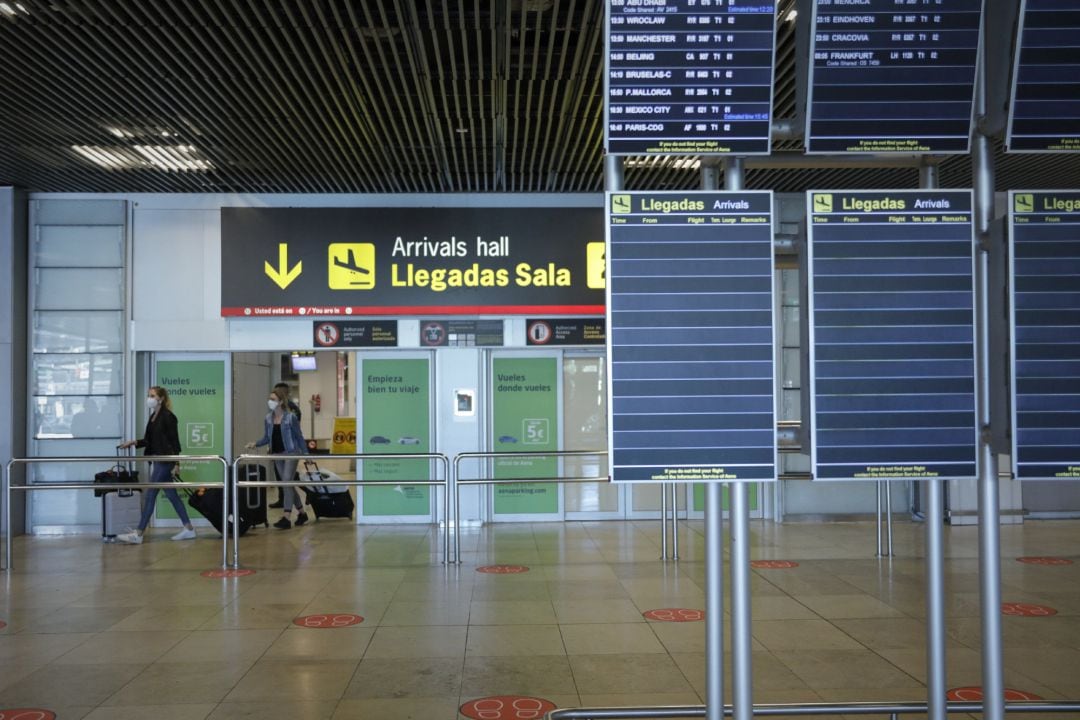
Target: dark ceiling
(353, 96)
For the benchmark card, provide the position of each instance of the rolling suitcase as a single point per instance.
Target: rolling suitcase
(207, 501)
(327, 501)
(121, 510)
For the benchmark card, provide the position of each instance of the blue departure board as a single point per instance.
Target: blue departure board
(688, 76)
(691, 323)
(1044, 238)
(1044, 114)
(892, 334)
(892, 76)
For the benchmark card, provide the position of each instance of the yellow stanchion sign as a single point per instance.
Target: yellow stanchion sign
(344, 440)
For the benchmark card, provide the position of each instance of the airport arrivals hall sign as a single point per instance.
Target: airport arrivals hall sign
(290, 262)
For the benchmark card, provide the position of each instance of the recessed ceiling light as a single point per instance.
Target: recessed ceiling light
(109, 158)
(461, 130)
(6, 9)
(792, 15)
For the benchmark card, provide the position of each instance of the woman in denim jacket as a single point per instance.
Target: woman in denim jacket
(282, 433)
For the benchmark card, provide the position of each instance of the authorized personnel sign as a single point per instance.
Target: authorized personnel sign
(691, 336)
(892, 353)
(327, 262)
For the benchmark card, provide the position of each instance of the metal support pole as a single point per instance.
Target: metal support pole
(8, 533)
(613, 173)
(982, 163)
(877, 516)
(935, 602)
(714, 601)
(888, 520)
(235, 492)
(674, 521)
(742, 675)
(714, 562)
(663, 522)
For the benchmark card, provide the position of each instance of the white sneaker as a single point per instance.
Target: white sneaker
(131, 538)
(185, 534)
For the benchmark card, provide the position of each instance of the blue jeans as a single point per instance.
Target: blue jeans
(161, 472)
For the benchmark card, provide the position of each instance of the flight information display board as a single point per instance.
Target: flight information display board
(690, 337)
(1044, 115)
(1044, 252)
(892, 76)
(892, 331)
(688, 76)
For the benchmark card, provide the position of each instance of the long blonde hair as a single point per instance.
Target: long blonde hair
(163, 394)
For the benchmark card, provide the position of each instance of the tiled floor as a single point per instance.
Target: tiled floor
(107, 631)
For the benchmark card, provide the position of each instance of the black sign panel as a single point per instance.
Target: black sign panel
(1044, 115)
(566, 331)
(461, 333)
(411, 261)
(355, 333)
(892, 76)
(1045, 253)
(689, 76)
(892, 334)
(691, 335)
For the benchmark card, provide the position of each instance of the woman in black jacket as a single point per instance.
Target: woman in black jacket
(161, 438)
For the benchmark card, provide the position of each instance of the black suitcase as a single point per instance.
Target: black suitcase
(327, 501)
(207, 501)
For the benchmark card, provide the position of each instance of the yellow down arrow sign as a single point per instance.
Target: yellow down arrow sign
(282, 275)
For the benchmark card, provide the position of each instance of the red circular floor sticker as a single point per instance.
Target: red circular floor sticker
(773, 564)
(2, 624)
(974, 693)
(332, 620)
(1027, 610)
(502, 569)
(230, 573)
(507, 707)
(1045, 560)
(27, 714)
(675, 615)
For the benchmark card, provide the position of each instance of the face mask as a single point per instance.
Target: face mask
(151, 403)
(272, 404)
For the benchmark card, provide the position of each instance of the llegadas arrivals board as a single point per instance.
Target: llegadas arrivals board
(892, 334)
(1044, 252)
(1044, 115)
(691, 337)
(892, 76)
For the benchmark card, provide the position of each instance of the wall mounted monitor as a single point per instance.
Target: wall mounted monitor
(892, 334)
(688, 76)
(1044, 112)
(1044, 252)
(892, 76)
(691, 332)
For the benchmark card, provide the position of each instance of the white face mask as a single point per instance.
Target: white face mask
(272, 404)
(151, 403)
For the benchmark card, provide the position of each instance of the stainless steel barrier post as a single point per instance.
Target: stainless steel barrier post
(663, 522)
(438, 457)
(877, 516)
(742, 671)
(888, 520)
(714, 601)
(112, 461)
(674, 521)
(935, 602)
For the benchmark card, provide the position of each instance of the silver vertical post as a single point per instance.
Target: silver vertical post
(663, 522)
(675, 521)
(742, 672)
(5, 479)
(982, 162)
(877, 516)
(235, 469)
(714, 563)
(888, 520)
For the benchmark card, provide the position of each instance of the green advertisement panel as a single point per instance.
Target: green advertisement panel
(198, 394)
(526, 419)
(699, 497)
(395, 416)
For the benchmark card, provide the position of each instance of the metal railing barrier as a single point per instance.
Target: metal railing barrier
(458, 482)
(893, 710)
(111, 462)
(260, 458)
(881, 488)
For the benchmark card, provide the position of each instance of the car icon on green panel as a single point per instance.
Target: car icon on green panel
(408, 440)
(379, 440)
(507, 439)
